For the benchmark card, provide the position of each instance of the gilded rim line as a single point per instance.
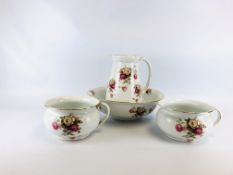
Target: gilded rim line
(89, 107)
(197, 113)
(96, 106)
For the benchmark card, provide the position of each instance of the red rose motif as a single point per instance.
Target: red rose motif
(131, 110)
(179, 127)
(137, 89)
(124, 88)
(55, 125)
(135, 76)
(112, 86)
(122, 76)
(74, 127)
(198, 131)
(193, 127)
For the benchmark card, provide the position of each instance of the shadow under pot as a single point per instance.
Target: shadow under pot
(73, 118)
(186, 120)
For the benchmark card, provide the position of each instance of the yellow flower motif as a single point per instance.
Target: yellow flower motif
(112, 82)
(140, 110)
(73, 119)
(126, 70)
(193, 123)
(199, 123)
(68, 120)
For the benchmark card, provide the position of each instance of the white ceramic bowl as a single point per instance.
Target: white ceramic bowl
(128, 110)
(186, 120)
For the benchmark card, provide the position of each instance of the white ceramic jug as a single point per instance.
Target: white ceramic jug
(124, 84)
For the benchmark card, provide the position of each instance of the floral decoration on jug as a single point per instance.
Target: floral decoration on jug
(137, 90)
(125, 74)
(135, 75)
(111, 86)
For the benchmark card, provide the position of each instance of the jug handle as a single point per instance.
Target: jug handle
(106, 116)
(219, 116)
(149, 73)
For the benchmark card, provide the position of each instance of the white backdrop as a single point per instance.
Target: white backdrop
(64, 47)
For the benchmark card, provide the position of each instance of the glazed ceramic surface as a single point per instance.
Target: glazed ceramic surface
(126, 110)
(73, 118)
(186, 120)
(124, 84)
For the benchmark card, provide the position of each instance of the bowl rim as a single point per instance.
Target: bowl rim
(91, 92)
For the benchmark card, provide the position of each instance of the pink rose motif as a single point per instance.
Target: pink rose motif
(74, 127)
(137, 89)
(112, 83)
(179, 127)
(198, 131)
(124, 89)
(55, 125)
(122, 76)
(135, 76)
(131, 110)
(112, 86)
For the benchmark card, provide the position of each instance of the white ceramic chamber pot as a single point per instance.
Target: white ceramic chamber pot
(186, 120)
(73, 118)
(124, 84)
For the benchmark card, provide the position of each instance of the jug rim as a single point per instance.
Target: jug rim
(126, 58)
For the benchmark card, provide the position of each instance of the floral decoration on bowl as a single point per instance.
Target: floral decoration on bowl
(140, 111)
